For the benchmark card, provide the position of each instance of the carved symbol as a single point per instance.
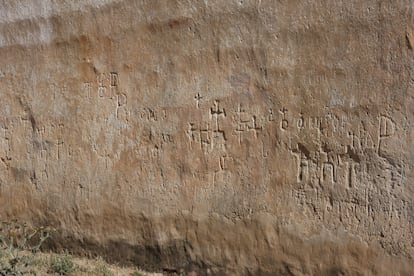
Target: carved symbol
(225, 161)
(387, 127)
(284, 123)
(122, 113)
(167, 138)
(328, 172)
(198, 99)
(302, 163)
(100, 78)
(101, 91)
(239, 112)
(301, 122)
(122, 100)
(59, 148)
(149, 114)
(191, 134)
(386, 130)
(271, 116)
(87, 87)
(114, 79)
(215, 111)
(352, 174)
(205, 137)
(241, 126)
(255, 128)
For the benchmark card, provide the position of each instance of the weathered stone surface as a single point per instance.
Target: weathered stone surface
(216, 136)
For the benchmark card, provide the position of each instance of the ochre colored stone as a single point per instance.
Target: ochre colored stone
(213, 136)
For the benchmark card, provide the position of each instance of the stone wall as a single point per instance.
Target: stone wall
(233, 137)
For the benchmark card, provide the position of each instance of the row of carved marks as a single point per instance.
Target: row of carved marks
(328, 166)
(246, 123)
(38, 138)
(329, 149)
(356, 138)
(353, 184)
(105, 94)
(150, 114)
(221, 131)
(41, 146)
(209, 135)
(104, 85)
(327, 125)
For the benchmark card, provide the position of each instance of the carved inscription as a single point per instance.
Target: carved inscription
(247, 123)
(337, 157)
(347, 160)
(105, 85)
(209, 135)
(331, 165)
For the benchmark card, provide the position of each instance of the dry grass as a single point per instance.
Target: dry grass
(44, 264)
(19, 255)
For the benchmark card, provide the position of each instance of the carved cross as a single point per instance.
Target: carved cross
(198, 98)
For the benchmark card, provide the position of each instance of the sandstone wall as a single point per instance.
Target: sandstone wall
(232, 137)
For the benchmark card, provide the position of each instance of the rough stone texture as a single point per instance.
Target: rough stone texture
(217, 136)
